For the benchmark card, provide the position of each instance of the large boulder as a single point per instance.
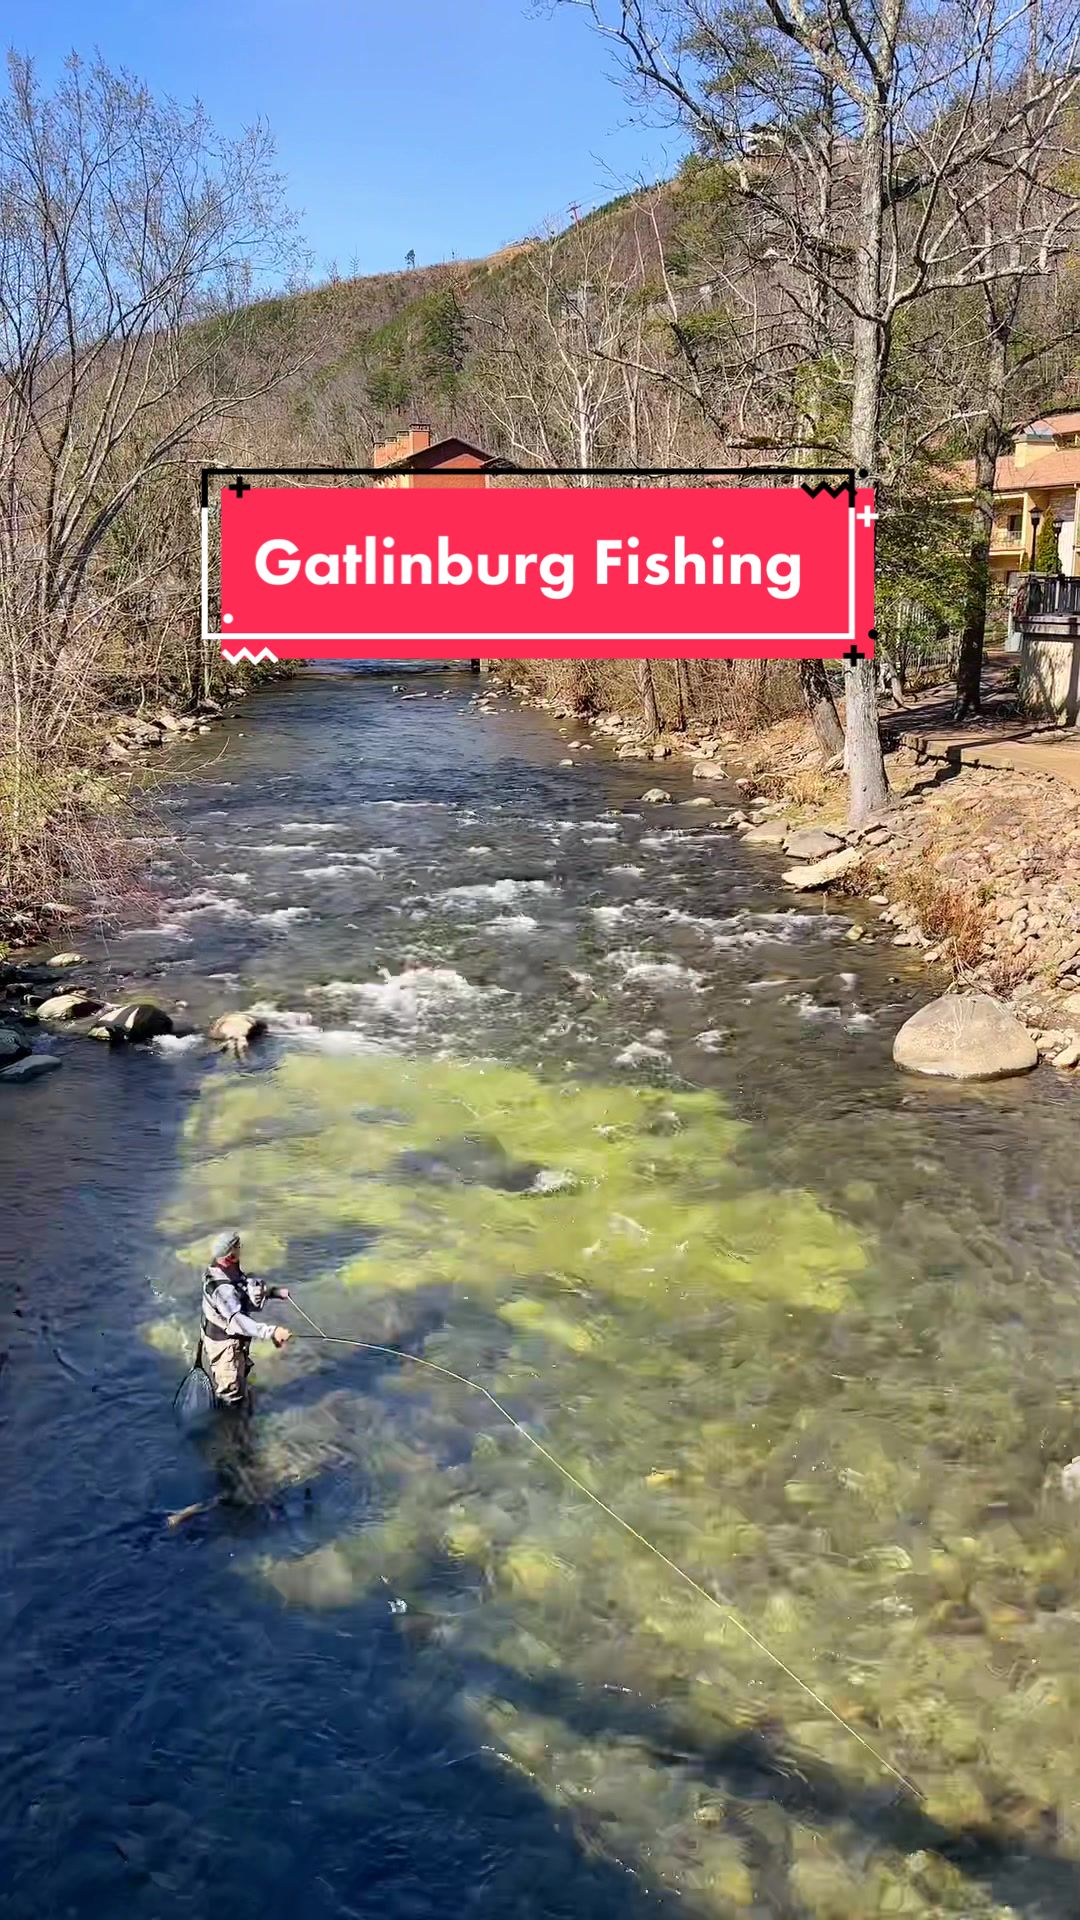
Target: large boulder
(236, 1031)
(12, 1047)
(822, 873)
(68, 1006)
(65, 960)
(136, 1021)
(31, 1068)
(656, 797)
(769, 833)
(965, 1037)
(709, 770)
(812, 843)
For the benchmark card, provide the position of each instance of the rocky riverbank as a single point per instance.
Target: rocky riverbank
(45, 994)
(40, 1000)
(84, 852)
(977, 870)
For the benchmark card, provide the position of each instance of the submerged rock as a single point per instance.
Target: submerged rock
(31, 1068)
(965, 1037)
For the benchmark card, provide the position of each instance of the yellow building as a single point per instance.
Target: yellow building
(1040, 476)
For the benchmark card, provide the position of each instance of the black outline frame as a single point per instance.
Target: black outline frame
(504, 469)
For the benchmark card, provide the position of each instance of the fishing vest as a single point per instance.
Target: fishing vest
(213, 1327)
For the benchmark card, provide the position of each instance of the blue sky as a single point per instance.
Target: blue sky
(446, 126)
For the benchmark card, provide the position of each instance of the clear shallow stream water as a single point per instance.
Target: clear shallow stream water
(564, 1093)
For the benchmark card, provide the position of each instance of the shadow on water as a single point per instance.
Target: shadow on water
(751, 1768)
(217, 1807)
(759, 1766)
(177, 1741)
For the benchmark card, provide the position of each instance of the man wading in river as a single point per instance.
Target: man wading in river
(229, 1298)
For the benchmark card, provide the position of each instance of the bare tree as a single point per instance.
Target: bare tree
(646, 686)
(925, 97)
(575, 374)
(132, 243)
(555, 362)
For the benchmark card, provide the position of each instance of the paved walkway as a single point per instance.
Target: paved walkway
(997, 737)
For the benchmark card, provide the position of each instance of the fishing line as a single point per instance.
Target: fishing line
(722, 1607)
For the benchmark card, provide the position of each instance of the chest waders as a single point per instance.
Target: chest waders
(224, 1357)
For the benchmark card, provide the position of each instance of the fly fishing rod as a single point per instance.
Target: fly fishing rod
(723, 1607)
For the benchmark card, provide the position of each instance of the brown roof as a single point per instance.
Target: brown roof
(1056, 423)
(1058, 467)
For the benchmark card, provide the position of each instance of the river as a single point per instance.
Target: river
(564, 1093)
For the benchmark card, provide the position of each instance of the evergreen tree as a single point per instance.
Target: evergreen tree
(1046, 547)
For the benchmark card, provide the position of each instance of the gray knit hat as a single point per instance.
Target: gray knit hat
(224, 1244)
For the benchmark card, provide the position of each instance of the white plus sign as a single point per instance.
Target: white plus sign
(866, 515)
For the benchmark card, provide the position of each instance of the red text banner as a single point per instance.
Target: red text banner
(525, 572)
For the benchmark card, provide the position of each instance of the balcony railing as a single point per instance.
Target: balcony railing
(1050, 594)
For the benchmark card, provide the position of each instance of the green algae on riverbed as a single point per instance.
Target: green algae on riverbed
(716, 1360)
(479, 1176)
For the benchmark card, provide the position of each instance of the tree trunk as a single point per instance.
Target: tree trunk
(813, 680)
(821, 707)
(682, 695)
(647, 691)
(972, 640)
(868, 789)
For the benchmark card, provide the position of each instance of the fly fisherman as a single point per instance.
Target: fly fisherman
(229, 1298)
